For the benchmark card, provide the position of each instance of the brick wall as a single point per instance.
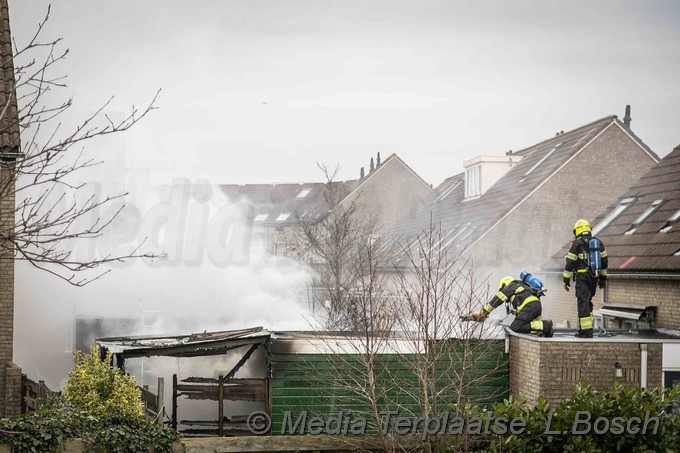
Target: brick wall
(665, 294)
(9, 143)
(552, 368)
(524, 364)
(560, 305)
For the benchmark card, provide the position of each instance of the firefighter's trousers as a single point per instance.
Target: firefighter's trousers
(586, 285)
(528, 320)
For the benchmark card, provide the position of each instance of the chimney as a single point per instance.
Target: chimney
(627, 118)
(377, 164)
(372, 166)
(361, 173)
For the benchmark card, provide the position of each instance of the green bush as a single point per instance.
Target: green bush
(99, 388)
(620, 402)
(57, 420)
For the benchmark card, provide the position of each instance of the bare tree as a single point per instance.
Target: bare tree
(454, 362)
(335, 243)
(410, 352)
(44, 208)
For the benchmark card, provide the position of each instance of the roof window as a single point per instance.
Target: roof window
(649, 211)
(672, 221)
(261, 217)
(283, 217)
(623, 205)
(543, 159)
(303, 193)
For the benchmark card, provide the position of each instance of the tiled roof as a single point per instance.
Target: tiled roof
(285, 202)
(462, 219)
(654, 244)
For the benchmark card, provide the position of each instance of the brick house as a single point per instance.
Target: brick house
(641, 233)
(10, 374)
(509, 212)
(388, 192)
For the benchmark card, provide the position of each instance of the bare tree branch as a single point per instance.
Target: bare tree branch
(50, 210)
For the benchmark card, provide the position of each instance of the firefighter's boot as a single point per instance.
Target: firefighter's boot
(548, 328)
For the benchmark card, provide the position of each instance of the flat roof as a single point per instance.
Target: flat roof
(611, 336)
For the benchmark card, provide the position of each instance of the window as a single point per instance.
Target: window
(472, 181)
(283, 217)
(649, 211)
(672, 221)
(261, 217)
(303, 193)
(543, 159)
(623, 205)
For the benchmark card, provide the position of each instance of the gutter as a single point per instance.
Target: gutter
(640, 275)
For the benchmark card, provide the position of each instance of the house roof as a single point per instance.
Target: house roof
(645, 235)
(284, 204)
(461, 219)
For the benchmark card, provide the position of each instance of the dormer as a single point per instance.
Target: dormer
(482, 172)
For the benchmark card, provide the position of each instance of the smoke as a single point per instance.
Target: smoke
(217, 276)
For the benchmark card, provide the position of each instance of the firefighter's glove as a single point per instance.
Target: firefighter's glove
(567, 283)
(602, 283)
(478, 315)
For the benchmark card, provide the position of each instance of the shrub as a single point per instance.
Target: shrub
(57, 420)
(99, 388)
(622, 402)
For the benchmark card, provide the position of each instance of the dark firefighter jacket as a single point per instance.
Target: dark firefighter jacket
(516, 294)
(577, 258)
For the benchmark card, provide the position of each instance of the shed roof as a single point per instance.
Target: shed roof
(645, 235)
(189, 345)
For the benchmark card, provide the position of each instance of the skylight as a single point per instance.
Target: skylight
(283, 217)
(303, 193)
(653, 207)
(543, 159)
(261, 217)
(623, 205)
(672, 221)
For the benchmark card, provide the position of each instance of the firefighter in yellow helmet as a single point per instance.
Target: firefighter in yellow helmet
(526, 305)
(586, 263)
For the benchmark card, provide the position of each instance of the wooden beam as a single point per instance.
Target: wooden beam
(174, 401)
(240, 363)
(220, 407)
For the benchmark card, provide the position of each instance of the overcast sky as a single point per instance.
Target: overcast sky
(260, 90)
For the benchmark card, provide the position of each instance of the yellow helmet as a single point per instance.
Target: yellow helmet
(581, 226)
(505, 281)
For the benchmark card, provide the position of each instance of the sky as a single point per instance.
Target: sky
(261, 90)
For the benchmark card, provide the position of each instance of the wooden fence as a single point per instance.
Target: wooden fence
(32, 393)
(153, 405)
